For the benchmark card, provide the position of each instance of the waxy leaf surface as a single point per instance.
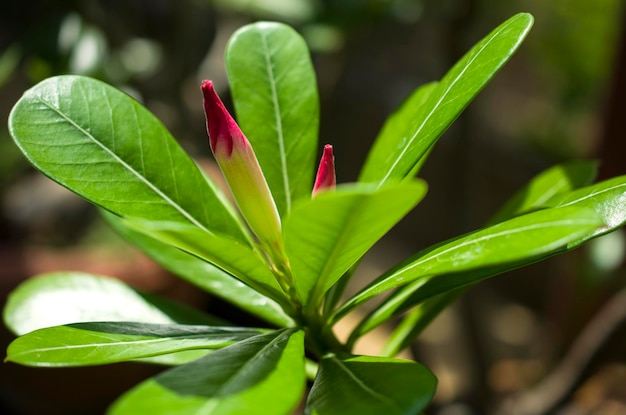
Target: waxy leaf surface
(369, 385)
(98, 343)
(532, 235)
(561, 178)
(325, 236)
(263, 375)
(393, 160)
(274, 90)
(72, 297)
(237, 259)
(203, 274)
(103, 145)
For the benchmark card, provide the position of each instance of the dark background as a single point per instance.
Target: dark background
(560, 98)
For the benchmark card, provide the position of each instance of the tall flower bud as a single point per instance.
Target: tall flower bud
(241, 169)
(325, 178)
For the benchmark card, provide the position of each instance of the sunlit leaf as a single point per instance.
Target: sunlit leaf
(103, 145)
(445, 102)
(274, 90)
(98, 343)
(325, 236)
(72, 297)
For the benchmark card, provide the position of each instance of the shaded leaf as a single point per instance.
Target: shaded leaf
(368, 385)
(103, 145)
(274, 90)
(262, 375)
(98, 343)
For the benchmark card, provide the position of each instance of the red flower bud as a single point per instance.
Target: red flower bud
(325, 178)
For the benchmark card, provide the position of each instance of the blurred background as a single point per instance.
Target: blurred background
(546, 339)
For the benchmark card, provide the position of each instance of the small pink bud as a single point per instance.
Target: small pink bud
(241, 169)
(325, 179)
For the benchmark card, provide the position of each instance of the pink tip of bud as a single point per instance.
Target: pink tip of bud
(222, 128)
(325, 178)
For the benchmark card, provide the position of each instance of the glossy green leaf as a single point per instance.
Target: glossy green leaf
(606, 198)
(393, 160)
(206, 276)
(236, 259)
(103, 145)
(368, 385)
(396, 129)
(72, 297)
(527, 236)
(561, 178)
(274, 90)
(99, 343)
(326, 235)
(263, 375)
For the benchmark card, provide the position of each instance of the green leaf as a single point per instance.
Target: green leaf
(103, 145)
(395, 131)
(274, 90)
(206, 276)
(394, 160)
(99, 343)
(238, 260)
(532, 235)
(262, 375)
(606, 198)
(72, 297)
(561, 178)
(326, 235)
(368, 385)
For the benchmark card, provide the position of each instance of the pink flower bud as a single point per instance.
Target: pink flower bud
(241, 169)
(325, 178)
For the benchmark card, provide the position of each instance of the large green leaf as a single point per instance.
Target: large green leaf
(73, 297)
(561, 178)
(263, 375)
(326, 235)
(528, 236)
(394, 159)
(368, 385)
(275, 95)
(206, 276)
(98, 343)
(102, 144)
(237, 259)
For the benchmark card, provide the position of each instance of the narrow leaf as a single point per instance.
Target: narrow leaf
(204, 275)
(528, 236)
(87, 344)
(326, 235)
(445, 102)
(103, 145)
(606, 198)
(397, 128)
(238, 260)
(274, 90)
(263, 375)
(368, 385)
(72, 297)
(561, 178)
